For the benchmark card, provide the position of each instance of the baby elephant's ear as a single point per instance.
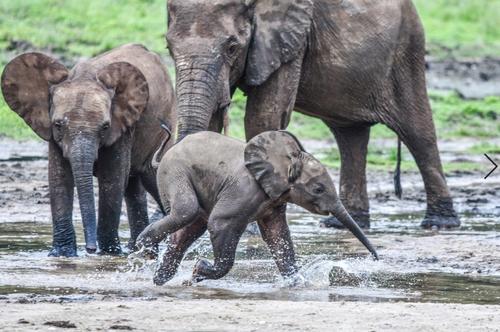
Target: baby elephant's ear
(131, 96)
(273, 158)
(26, 82)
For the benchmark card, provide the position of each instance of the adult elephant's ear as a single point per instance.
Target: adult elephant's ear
(280, 34)
(275, 160)
(130, 99)
(26, 81)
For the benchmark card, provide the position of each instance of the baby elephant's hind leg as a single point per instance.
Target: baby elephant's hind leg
(179, 243)
(184, 210)
(225, 235)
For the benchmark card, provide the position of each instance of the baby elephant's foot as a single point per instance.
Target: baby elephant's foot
(167, 268)
(202, 270)
(146, 248)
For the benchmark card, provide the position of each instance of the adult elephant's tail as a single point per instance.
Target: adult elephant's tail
(398, 189)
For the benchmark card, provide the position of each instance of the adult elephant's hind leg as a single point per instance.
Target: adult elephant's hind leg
(418, 134)
(412, 120)
(353, 146)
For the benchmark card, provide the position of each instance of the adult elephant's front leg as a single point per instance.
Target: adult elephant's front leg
(353, 146)
(112, 171)
(270, 105)
(61, 203)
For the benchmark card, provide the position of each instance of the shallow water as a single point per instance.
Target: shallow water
(457, 266)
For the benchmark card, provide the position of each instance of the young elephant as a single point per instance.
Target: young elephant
(101, 118)
(225, 187)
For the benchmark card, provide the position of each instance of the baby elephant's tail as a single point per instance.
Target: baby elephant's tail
(161, 151)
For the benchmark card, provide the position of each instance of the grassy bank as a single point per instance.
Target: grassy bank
(75, 29)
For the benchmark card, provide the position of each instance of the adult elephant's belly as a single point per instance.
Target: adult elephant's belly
(346, 74)
(344, 96)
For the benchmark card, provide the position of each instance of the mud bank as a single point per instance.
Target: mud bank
(216, 315)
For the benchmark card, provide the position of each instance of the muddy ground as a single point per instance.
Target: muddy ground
(446, 280)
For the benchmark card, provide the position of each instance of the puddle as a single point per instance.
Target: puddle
(459, 266)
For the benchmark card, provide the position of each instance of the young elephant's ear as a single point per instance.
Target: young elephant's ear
(274, 159)
(130, 99)
(25, 84)
(280, 34)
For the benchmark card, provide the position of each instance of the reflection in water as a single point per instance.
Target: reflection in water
(460, 266)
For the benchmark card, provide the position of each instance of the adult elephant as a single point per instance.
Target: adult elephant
(351, 63)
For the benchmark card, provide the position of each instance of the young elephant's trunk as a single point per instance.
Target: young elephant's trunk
(82, 157)
(343, 216)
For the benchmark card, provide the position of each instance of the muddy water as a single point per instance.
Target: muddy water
(456, 266)
(460, 266)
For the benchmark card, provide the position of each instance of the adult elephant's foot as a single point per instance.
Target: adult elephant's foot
(110, 247)
(441, 215)
(63, 251)
(362, 219)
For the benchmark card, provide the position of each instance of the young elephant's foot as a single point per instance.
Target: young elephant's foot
(205, 270)
(362, 219)
(202, 270)
(441, 215)
(63, 251)
(167, 268)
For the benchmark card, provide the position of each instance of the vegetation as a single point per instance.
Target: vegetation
(74, 29)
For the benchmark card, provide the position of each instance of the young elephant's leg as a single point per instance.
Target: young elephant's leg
(184, 209)
(113, 168)
(353, 148)
(179, 242)
(137, 209)
(225, 234)
(61, 204)
(276, 234)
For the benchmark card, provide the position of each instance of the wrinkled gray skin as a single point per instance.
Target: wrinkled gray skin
(101, 118)
(226, 186)
(350, 63)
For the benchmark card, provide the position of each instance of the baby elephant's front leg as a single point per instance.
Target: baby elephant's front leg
(276, 234)
(225, 236)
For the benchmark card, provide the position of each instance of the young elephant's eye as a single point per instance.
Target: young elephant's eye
(319, 189)
(105, 126)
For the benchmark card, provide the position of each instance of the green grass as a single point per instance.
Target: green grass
(83, 28)
(461, 27)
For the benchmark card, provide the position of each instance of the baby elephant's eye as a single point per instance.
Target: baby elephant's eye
(319, 189)
(105, 126)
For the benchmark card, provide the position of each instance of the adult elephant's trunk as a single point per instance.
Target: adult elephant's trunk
(82, 157)
(345, 218)
(197, 96)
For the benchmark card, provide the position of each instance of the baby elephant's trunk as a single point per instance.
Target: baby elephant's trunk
(343, 216)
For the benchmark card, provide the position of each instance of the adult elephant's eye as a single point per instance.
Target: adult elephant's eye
(105, 126)
(232, 49)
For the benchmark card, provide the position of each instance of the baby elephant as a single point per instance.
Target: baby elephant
(224, 187)
(100, 118)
